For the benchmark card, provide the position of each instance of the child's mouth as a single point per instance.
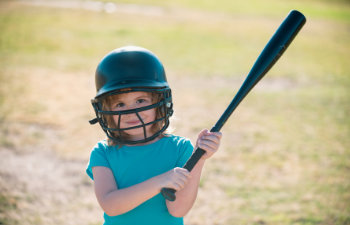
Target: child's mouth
(133, 123)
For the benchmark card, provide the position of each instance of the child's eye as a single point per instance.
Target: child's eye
(141, 101)
(119, 105)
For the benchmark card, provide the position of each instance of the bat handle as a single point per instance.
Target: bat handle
(169, 193)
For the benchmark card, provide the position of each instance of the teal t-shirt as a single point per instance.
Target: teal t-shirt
(134, 164)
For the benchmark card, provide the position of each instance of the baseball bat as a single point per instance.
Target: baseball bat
(273, 50)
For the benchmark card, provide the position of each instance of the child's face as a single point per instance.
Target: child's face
(134, 100)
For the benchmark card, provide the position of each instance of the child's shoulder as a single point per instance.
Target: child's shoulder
(101, 145)
(177, 140)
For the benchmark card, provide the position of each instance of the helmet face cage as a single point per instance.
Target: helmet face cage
(163, 106)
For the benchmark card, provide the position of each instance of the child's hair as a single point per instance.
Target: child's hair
(106, 104)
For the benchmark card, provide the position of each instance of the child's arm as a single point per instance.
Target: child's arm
(116, 201)
(210, 142)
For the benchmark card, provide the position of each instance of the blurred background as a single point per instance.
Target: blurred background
(285, 155)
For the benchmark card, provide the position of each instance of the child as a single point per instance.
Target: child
(133, 105)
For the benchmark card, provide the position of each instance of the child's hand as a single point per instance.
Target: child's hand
(175, 178)
(209, 142)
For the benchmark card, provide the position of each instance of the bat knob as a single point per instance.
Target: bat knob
(169, 194)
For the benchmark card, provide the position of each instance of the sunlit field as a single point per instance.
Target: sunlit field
(285, 154)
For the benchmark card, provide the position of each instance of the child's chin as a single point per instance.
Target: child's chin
(137, 134)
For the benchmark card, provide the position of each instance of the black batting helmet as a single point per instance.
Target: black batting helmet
(129, 69)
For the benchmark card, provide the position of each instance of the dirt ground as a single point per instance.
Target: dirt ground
(45, 188)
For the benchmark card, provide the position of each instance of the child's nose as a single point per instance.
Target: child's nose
(131, 106)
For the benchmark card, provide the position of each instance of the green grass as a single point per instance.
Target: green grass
(285, 155)
(7, 203)
(321, 9)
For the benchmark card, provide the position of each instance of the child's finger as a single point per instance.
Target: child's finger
(211, 138)
(183, 174)
(182, 171)
(207, 144)
(214, 135)
(181, 178)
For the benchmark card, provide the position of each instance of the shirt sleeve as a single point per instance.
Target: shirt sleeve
(97, 158)
(185, 151)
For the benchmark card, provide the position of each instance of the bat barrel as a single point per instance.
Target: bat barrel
(268, 57)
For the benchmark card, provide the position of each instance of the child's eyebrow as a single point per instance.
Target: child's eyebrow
(115, 100)
(145, 96)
